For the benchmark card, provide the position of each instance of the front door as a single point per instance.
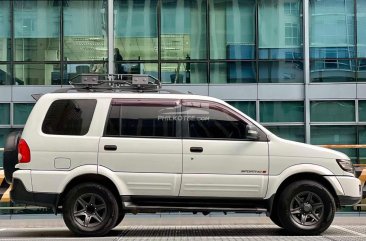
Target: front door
(218, 159)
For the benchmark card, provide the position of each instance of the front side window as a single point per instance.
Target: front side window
(143, 118)
(208, 120)
(69, 117)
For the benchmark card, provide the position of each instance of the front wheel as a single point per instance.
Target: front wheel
(306, 208)
(90, 209)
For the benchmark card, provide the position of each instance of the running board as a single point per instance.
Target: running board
(141, 209)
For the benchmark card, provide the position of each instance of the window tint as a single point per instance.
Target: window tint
(69, 117)
(147, 118)
(211, 121)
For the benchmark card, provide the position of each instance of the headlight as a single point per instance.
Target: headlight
(346, 165)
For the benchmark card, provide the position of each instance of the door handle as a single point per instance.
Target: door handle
(110, 148)
(196, 149)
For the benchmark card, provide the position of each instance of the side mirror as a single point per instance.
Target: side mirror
(252, 133)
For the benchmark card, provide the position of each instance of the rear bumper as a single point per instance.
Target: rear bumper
(20, 195)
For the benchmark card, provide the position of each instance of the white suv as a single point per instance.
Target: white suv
(95, 154)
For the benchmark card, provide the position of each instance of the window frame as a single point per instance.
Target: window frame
(262, 137)
(142, 102)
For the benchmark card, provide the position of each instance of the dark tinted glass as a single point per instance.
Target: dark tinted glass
(69, 117)
(207, 121)
(142, 120)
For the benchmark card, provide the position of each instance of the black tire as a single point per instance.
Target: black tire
(10, 156)
(90, 209)
(306, 208)
(119, 219)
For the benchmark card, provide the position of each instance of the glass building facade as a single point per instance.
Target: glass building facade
(296, 66)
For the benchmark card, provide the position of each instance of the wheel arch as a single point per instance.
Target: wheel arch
(302, 177)
(91, 178)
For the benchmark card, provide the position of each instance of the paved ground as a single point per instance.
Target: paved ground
(180, 227)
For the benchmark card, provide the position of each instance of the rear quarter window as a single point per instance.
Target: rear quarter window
(69, 117)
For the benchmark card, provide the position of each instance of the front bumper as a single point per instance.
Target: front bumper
(20, 195)
(352, 190)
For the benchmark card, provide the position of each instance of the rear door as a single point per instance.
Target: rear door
(218, 159)
(142, 144)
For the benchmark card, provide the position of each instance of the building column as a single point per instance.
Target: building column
(110, 37)
(306, 19)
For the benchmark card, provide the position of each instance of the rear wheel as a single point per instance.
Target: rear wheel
(90, 209)
(119, 219)
(306, 208)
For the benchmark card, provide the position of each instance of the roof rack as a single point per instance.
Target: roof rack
(116, 83)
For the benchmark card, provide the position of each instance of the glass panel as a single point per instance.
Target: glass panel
(332, 111)
(362, 140)
(361, 70)
(37, 74)
(233, 72)
(36, 30)
(281, 72)
(361, 30)
(85, 30)
(4, 114)
(206, 121)
(5, 30)
(332, 29)
(69, 117)
(71, 71)
(322, 135)
(183, 29)
(280, 29)
(294, 133)
(136, 31)
(282, 111)
(232, 28)
(362, 110)
(21, 112)
(247, 107)
(5, 75)
(332, 70)
(137, 68)
(178, 73)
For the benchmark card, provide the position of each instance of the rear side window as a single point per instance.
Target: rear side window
(142, 118)
(69, 117)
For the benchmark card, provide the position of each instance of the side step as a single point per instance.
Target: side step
(142, 209)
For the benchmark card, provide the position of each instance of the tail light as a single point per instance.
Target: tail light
(24, 155)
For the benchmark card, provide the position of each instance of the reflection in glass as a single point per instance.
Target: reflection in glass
(247, 107)
(36, 74)
(4, 30)
(85, 30)
(4, 114)
(361, 30)
(72, 70)
(139, 68)
(294, 133)
(183, 29)
(332, 29)
(332, 111)
(332, 70)
(36, 30)
(362, 110)
(361, 70)
(281, 72)
(136, 34)
(232, 25)
(362, 140)
(323, 135)
(280, 29)
(21, 112)
(184, 73)
(282, 111)
(5, 75)
(233, 72)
